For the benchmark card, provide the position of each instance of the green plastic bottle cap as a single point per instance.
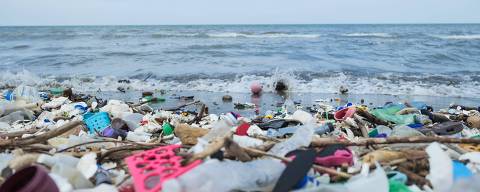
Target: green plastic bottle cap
(167, 129)
(160, 99)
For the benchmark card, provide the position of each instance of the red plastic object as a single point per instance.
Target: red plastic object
(153, 167)
(242, 129)
(33, 178)
(256, 87)
(339, 157)
(344, 113)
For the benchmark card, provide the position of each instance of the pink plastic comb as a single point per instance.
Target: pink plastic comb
(153, 167)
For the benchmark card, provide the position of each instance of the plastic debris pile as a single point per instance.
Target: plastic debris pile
(58, 140)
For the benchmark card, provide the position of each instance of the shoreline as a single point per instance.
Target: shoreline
(268, 101)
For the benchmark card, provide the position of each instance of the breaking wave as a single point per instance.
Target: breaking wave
(459, 37)
(380, 35)
(460, 85)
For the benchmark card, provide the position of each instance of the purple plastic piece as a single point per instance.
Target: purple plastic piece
(30, 179)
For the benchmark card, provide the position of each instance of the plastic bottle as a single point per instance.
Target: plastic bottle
(289, 106)
(405, 131)
(325, 128)
(281, 132)
(132, 120)
(302, 137)
(138, 136)
(27, 93)
(221, 127)
(303, 117)
(213, 175)
(245, 141)
(382, 129)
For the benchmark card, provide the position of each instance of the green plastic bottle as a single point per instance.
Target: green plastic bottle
(153, 99)
(167, 129)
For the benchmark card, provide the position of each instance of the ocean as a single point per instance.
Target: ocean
(441, 60)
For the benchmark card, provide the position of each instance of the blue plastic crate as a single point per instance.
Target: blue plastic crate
(96, 122)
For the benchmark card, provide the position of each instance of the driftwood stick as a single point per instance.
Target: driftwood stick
(235, 150)
(361, 125)
(40, 138)
(213, 147)
(123, 148)
(200, 115)
(417, 179)
(180, 106)
(318, 168)
(320, 142)
(17, 133)
(102, 141)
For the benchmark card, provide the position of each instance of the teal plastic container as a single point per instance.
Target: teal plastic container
(96, 122)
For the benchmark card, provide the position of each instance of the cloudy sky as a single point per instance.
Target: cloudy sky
(138, 12)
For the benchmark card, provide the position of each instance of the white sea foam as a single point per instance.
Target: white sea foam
(264, 35)
(383, 35)
(459, 37)
(389, 84)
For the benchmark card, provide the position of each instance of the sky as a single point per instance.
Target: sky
(179, 12)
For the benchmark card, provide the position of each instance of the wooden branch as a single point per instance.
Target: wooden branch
(361, 125)
(417, 179)
(17, 133)
(40, 138)
(110, 151)
(371, 118)
(180, 106)
(200, 114)
(235, 150)
(320, 142)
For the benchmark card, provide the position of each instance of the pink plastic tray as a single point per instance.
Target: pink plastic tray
(153, 167)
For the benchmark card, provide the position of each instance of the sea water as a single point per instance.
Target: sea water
(421, 59)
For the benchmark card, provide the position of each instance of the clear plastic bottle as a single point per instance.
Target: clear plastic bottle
(302, 137)
(213, 175)
(289, 106)
(405, 131)
(27, 93)
(325, 128)
(220, 129)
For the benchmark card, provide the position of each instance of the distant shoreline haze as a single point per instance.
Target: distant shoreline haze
(86, 25)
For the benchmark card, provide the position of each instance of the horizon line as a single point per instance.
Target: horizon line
(78, 25)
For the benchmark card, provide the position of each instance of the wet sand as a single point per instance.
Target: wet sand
(270, 101)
